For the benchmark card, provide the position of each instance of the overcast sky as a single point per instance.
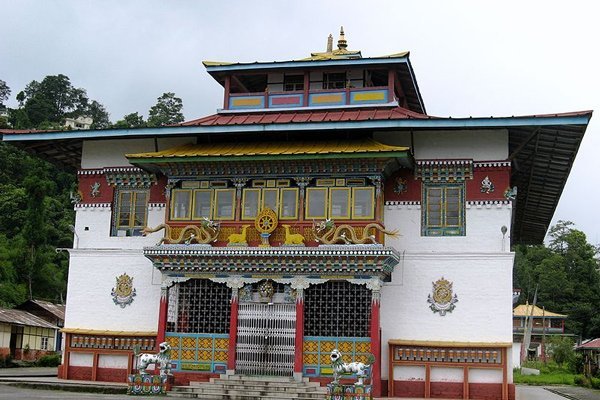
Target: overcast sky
(477, 58)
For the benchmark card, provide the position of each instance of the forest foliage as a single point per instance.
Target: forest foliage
(566, 275)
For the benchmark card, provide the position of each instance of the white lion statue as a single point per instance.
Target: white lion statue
(162, 359)
(340, 368)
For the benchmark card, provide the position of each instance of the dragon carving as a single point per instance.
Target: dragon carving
(207, 232)
(327, 233)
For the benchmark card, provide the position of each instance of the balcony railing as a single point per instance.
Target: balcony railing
(312, 98)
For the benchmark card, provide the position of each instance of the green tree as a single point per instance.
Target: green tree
(561, 350)
(133, 120)
(4, 92)
(99, 115)
(566, 274)
(46, 104)
(166, 111)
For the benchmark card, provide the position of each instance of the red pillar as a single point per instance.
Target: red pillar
(375, 345)
(162, 316)
(233, 321)
(298, 363)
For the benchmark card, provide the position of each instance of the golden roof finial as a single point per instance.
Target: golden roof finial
(330, 43)
(342, 44)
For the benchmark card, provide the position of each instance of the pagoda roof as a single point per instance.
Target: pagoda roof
(528, 310)
(541, 147)
(272, 150)
(317, 115)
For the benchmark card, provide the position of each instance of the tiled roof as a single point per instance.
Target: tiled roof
(20, 317)
(524, 310)
(239, 149)
(592, 344)
(306, 117)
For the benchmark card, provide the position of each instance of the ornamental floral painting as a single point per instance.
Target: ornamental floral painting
(124, 292)
(442, 299)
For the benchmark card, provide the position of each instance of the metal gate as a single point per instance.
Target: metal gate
(265, 339)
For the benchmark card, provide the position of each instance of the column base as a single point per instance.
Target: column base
(298, 377)
(230, 372)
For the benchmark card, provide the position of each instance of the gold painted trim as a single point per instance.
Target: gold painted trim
(348, 203)
(397, 342)
(307, 204)
(188, 217)
(258, 203)
(296, 193)
(210, 212)
(81, 331)
(372, 214)
(216, 205)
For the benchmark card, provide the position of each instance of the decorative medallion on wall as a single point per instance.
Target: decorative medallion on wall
(486, 185)
(95, 189)
(124, 292)
(401, 185)
(442, 300)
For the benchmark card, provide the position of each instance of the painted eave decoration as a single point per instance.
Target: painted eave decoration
(220, 152)
(346, 260)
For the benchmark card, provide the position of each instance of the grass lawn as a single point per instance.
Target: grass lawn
(550, 374)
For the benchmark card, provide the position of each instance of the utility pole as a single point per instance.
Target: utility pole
(528, 329)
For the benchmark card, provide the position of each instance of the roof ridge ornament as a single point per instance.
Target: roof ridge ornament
(330, 43)
(342, 43)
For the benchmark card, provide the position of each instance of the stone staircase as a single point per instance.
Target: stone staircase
(238, 387)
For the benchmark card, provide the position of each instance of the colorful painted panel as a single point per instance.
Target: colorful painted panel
(317, 349)
(198, 352)
(327, 99)
(286, 100)
(146, 385)
(369, 97)
(348, 392)
(246, 102)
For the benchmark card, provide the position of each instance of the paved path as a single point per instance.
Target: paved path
(576, 392)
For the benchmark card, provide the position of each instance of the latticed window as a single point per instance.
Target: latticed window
(338, 309)
(443, 211)
(130, 212)
(199, 306)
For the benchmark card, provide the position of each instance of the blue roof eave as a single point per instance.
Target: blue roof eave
(431, 123)
(304, 64)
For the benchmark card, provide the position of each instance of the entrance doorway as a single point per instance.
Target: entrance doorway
(265, 339)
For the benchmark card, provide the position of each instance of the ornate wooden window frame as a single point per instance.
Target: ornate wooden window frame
(443, 229)
(130, 228)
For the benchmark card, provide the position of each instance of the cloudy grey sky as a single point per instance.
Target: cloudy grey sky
(478, 58)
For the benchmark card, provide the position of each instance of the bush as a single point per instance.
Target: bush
(5, 361)
(49, 360)
(595, 383)
(581, 380)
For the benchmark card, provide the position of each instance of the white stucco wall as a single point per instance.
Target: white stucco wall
(81, 359)
(92, 276)
(483, 229)
(112, 361)
(92, 226)
(481, 145)
(482, 283)
(104, 153)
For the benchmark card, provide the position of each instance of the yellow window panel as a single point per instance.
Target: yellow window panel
(339, 203)
(316, 203)
(363, 202)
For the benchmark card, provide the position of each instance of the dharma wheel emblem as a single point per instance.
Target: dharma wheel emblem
(265, 223)
(442, 300)
(124, 292)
